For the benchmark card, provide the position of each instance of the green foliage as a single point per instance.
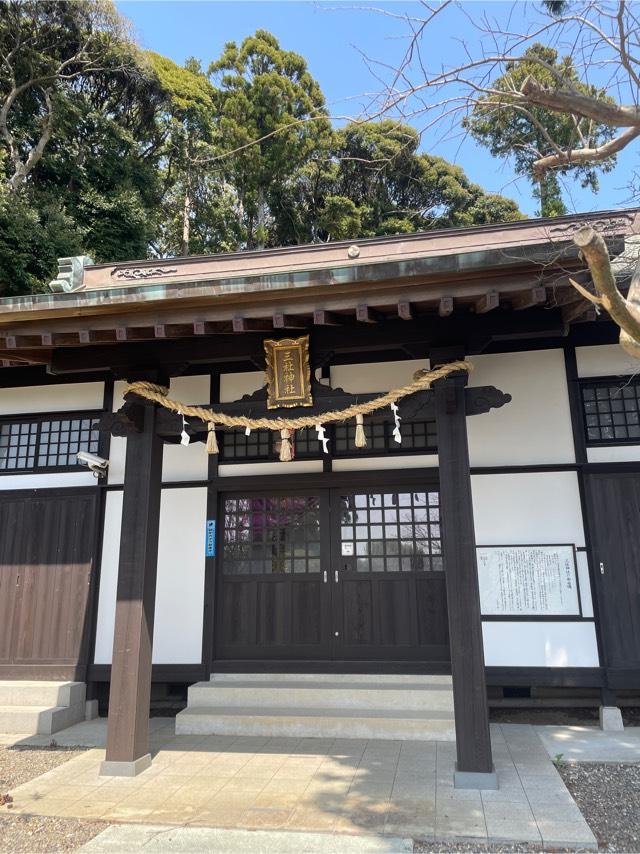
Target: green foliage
(508, 129)
(146, 157)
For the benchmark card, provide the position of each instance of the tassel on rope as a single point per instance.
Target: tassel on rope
(212, 442)
(361, 439)
(286, 451)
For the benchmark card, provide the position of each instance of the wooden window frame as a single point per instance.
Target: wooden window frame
(39, 419)
(599, 382)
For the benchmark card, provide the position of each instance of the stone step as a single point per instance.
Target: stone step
(39, 720)
(319, 723)
(425, 695)
(35, 693)
(348, 678)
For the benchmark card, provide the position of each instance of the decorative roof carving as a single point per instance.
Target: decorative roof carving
(605, 225)
(137, 273)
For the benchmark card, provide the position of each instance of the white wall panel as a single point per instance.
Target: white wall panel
(584, 584)
(47, 481)
(540, 644)
(108, 578)
(535, 427)
(64, 397)
(190, 462)
(527, 509)
(178, 462)
(388, 462)
(604, 360)
(614, 454)
(177, 636)
(251, 469)
(375, 376)
(234, 386)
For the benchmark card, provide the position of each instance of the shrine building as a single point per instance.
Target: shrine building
(362, 489)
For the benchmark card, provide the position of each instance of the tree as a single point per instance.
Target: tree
(371, 180)
(46, 47)
(524, 133)
(272, 119)
(592, 93)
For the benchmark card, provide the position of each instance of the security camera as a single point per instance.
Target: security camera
(98, 465)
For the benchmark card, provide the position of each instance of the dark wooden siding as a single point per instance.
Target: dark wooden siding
(47, 552)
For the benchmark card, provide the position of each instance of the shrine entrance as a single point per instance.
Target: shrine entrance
(333, 575)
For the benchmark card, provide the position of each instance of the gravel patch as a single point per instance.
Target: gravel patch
(30, 834)
(609, 798)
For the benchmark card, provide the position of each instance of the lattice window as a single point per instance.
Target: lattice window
(391, 532)
(612, 412)
(46, 443)
(271, 535)
(417, 437)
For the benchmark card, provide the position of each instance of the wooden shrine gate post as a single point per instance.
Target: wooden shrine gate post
(130, 689)
(474, 766)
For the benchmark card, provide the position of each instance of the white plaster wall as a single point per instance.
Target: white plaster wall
(108, 578)
(178, 462)
(604, 360)
(190, 462)
(584, 584)
(614, 454)
(377, 376)
(234, 386)
(254, 469)
(527, 509)
(64, 397)
(540, 644)
(177, 636)
(385, 463)
(535, 427)
(47, 481)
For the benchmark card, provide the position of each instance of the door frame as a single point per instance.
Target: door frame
(379, 479)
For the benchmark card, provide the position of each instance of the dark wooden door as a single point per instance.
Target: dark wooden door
(615, 531)
(47, 553)
(387, 578)
(273, 596)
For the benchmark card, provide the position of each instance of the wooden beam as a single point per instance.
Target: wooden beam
(366, 314)
(327, 318)
(286, 321)
(487, 302)
(405, 310)
(534, 296)
(474, 767)
(130, 690)
(445, 307)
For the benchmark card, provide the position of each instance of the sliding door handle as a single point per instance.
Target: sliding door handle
(335, 576)
(325, 576)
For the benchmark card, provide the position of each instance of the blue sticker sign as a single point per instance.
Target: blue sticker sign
(210, 540)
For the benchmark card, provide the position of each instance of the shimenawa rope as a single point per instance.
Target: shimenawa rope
(422, 379)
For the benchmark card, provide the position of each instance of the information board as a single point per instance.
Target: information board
(528, 580)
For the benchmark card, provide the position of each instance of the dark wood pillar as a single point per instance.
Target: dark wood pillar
(130, 691)
(474, 767)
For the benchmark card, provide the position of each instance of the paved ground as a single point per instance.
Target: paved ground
(392, 788)
(590, 744)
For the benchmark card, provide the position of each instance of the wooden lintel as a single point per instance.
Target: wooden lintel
(405, 310)
(286, 321)
(445, 306)
(487, 302)
(534, 296)
(366, 314)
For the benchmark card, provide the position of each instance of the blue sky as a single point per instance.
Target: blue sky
(337, 38)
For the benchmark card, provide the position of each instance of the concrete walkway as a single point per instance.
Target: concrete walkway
(337, 786)
(161, 839)
(590, 744)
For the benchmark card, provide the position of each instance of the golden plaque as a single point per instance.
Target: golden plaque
(288, 372)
